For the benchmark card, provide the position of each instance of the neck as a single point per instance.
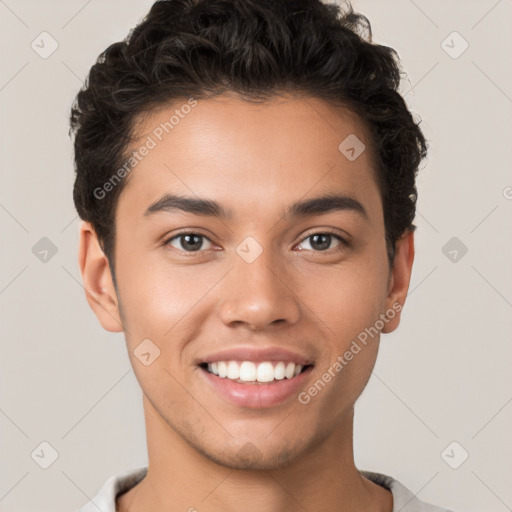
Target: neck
(178, 474)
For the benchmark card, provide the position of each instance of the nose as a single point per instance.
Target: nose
(259, 294)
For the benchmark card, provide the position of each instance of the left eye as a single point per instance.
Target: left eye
(190, 242)
(321, 241)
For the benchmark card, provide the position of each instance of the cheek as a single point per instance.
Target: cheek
(348, 299)
(144, 284)
(158, 299)
(349, 304)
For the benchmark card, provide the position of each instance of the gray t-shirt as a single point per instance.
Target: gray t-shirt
(105, 501)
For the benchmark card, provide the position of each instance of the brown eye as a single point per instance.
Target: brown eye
(187, 242)
(322, 241)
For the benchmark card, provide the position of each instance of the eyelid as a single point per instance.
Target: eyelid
(343, 236)
(184, 231)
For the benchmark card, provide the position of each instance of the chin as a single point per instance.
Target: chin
(249, 457)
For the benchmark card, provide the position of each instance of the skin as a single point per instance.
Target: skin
(255, 160)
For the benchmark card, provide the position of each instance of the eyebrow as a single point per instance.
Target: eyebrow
(316, 206)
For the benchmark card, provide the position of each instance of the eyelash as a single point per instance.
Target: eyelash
(343, 242)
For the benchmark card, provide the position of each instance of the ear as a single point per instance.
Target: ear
(399, 279)
(97, 279)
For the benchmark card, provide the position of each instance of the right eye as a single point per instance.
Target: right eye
(189, 242)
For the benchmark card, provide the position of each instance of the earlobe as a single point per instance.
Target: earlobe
(399, 281)
(97, 279)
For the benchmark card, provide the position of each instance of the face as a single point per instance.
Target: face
(254, 273)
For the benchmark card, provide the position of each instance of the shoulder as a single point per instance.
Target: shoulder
(403, 499)
(105, 499)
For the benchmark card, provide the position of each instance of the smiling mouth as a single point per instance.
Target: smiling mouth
(249, 372)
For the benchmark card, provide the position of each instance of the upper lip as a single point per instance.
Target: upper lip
(257, 355)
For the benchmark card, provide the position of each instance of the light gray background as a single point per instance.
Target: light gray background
(444, 376)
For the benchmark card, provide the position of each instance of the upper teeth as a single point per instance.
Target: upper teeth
(248, 371)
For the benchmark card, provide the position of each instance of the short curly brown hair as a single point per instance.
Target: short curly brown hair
(256, 49)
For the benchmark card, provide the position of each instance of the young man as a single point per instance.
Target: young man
(246, 180)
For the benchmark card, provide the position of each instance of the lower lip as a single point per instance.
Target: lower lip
(257, 396)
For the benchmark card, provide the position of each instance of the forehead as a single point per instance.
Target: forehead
(252, 153)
